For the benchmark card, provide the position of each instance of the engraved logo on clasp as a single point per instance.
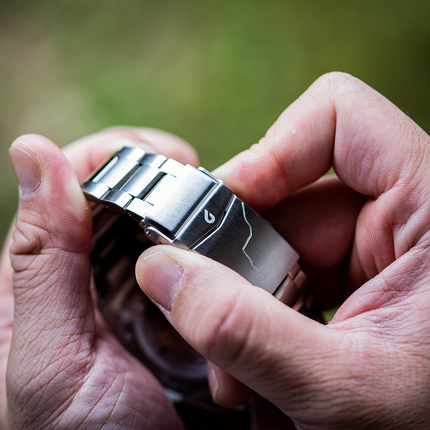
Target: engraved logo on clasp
(209, 218)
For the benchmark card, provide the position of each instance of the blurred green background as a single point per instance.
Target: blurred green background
(217, 73)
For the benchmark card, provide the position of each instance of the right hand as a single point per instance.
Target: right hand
(363, 236)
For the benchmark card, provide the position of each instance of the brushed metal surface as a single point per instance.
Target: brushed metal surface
(153, 160)
(117, 200)
(94, 190)
(172, 167)
(249, 245)
(175, 199)
(138, 209)
(142, 181)
(114, 176)
(132, 154)
(192, 209)
(207, 216)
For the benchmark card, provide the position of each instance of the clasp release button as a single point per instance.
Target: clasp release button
(207, 218)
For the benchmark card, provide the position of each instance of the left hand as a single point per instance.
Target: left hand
(59, 366)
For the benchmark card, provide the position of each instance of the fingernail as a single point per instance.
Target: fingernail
(213, 381)
(27, 170)
(160, 277)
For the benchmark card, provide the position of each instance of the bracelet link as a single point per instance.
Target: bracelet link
(159, 193)
(174, 199)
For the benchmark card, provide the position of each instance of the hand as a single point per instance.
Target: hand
(65, 369)
(363, 235)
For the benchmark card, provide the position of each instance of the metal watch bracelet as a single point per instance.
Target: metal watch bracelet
(190, 208)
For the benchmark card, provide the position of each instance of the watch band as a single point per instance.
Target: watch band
(190, 208)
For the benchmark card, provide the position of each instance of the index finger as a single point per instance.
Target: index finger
(341, 122)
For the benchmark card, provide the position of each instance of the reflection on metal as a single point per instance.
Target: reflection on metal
(246, 244)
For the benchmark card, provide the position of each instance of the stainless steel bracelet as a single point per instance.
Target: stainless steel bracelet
(190, 208)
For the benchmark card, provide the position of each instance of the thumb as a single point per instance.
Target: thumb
(282, 355)
(53, 310)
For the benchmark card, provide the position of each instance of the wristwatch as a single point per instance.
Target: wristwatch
(190, 208)
(141, 199)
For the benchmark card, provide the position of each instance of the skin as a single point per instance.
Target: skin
(362, 235)
(60, 366)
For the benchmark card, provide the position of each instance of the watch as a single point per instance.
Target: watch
(190, 208)
(141, 199)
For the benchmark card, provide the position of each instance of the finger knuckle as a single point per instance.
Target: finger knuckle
(339, 83)
(28, 239)
(36, 257)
